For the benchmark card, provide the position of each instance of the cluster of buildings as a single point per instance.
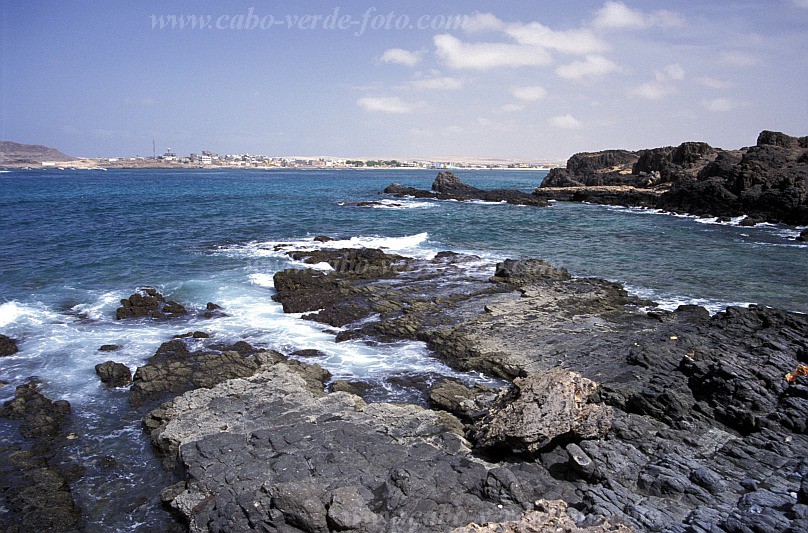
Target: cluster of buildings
(211, 159)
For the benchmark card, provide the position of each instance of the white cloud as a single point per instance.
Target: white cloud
(483, 22)
(451, 130)
(714, 83)
(567, 122)
(739, 59)
(593, 65)
(617, 15)
(721, 105)
(400, 56)
(438, 83)
(529, 93)
(512, 107)
(388, 104)
(653, 90)
(483, 56)
(671, 72)
(577, 41)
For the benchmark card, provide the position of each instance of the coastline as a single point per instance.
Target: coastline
(651, 369)
(532, 320)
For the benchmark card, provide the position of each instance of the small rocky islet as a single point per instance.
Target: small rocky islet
(619, 416)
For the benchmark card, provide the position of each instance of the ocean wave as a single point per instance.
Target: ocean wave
(670, 302)
(103, 306)
(412, 245)
(397, 204)
(15, 315)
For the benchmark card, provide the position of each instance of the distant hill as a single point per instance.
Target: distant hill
(29, 153)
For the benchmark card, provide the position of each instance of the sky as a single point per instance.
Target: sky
(526, 80)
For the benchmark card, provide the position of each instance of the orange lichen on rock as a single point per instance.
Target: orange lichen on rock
(801, 370)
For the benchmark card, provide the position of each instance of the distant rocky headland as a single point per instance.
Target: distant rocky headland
(767, 182)
(12, 153)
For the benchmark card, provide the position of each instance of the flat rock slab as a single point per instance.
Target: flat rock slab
(265, 453)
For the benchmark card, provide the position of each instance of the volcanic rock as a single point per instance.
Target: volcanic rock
(41, 417)
(254, 462)
(114, 374)
(8, 346)
(543, 407)
(447, 186)
(149, 303)
(173, 369)
(768, 181)
(34, 477)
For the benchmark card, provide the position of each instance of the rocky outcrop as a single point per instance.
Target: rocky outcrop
(265, 453)
(768, 181)
(543, 408)
(34, 475)
(8, 346)
(174, 369)
(661, 419)
(114, 374)
(447, 186)
(528, 271)
(149, 303)
(609, 167)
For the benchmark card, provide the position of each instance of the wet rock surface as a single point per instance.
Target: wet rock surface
(664, 420)
(35, 473)
(174, 369)
(148, 303)
(8, 346)
(768, 181)
(114, 374)
(266, 453)
(447, 186)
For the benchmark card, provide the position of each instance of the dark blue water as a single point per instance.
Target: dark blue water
(73, 243)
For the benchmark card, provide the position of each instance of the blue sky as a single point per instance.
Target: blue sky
(517, 80)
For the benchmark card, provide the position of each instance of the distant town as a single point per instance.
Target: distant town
(38, 156)
(206, 159)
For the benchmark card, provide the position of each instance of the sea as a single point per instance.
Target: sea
(73, 243)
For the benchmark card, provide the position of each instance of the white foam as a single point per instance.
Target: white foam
(401, 203)
(262, 280)
(104, 306)
(15, 315)
(412, 245)
(672, 302)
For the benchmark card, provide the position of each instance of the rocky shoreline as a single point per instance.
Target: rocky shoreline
(767, 182)
(620, 416)
(631, 416)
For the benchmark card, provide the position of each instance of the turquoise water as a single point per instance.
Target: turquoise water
(73, 243)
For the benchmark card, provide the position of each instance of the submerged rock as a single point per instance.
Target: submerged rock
(8, 346)
(41, 417)
(34, 474)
